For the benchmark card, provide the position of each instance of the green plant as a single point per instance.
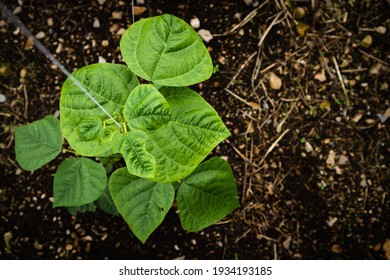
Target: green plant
(165, 131)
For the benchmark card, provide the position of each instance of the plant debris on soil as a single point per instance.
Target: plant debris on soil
(303, 86)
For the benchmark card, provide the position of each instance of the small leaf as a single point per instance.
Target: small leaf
(78, 181)
(142, 203)
(146, 108)
(89, 129)
(167, 51)
(207, 195)
(138, 160)
(38, 143)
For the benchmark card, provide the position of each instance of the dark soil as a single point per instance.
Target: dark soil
(310, 158)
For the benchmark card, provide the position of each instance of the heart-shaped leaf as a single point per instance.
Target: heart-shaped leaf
(38, 143)
(78, 181)
(146, 108)
(82, 121)
(174, 150)
(167, 51)
(142, 203)
(207, 195)
(138, 160)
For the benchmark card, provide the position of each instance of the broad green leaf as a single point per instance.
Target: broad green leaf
(38, 143)
(87, 128)
(207, 195)
(73, 210)
(146, 108)
(167, 51)
(106, 203)
(179, 146)
(142, 203)
(78, 181)
(138, 160)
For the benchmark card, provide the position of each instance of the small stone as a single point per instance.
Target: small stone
(87, 238)
(50, 22)
(248, 2)
(7, 238)
(195, 22)
(331, 221)
(23, 73)
(2, 98)
(343, 160)
(274, 81)
(241, 32)
(299, 12)
(59, 48)
(308, 147)
(114, 28)
(101, 2)
(96, 23)
(17, 10)
(205, 35)
(117, 15)
(37, 245)
(105, 43)
(120, 31)
(141, 2)
(336, 248)
(101, 59)
(357, 117)
(222, 60)
(68, 247)
(40, 35)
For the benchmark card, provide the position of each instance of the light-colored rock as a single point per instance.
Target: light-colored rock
(96, 23)
(274, 81)
(205, 35)
(40, 35)
(195, 22)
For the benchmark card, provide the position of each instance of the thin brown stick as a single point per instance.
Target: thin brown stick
(341, 80)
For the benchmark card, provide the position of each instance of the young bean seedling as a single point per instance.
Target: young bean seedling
(165, 131)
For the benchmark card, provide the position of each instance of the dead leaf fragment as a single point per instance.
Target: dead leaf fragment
(274, 81)
(287, 242)
(302, 29)
(366, 42)
(138, 10)
(320, 76)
